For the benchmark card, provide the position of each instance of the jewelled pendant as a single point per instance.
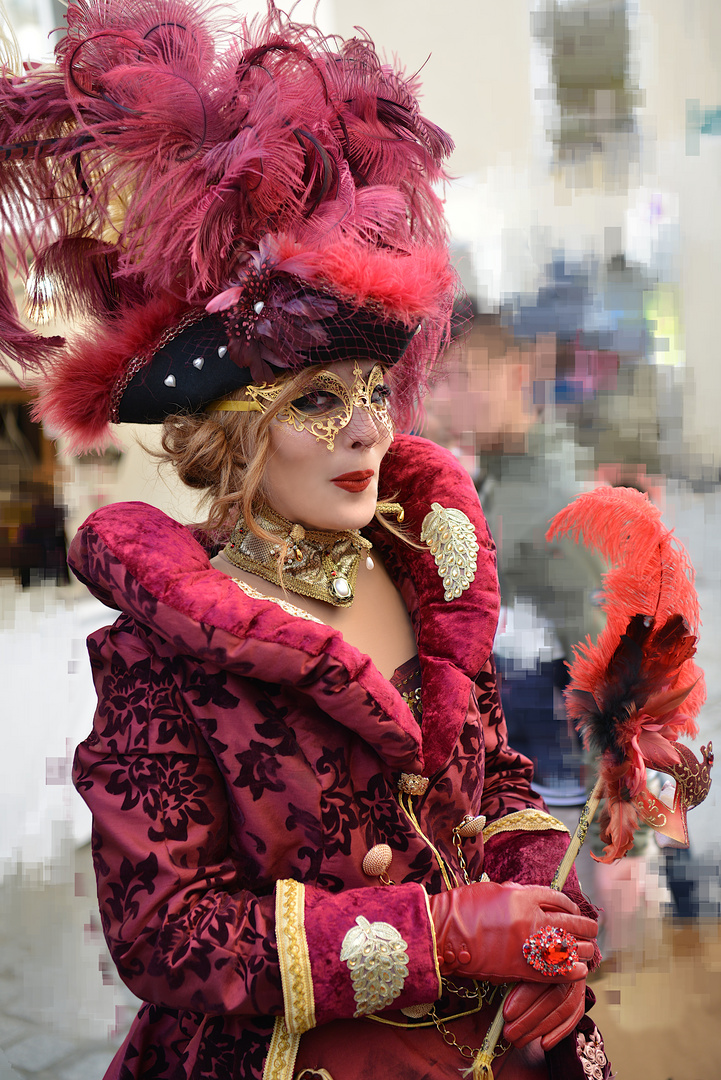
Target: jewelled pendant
(340, 587)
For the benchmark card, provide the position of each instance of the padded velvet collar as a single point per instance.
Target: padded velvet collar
(136, 559)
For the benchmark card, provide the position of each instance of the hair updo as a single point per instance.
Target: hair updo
(224, 455)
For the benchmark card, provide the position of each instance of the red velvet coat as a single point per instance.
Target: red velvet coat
(237, 746)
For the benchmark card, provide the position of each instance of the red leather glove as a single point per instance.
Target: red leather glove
(533, 1011)
(481, 928)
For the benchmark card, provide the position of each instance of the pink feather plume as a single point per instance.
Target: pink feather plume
(169, 139)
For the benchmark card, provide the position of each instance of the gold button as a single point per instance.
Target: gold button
(413, 784)
(377, 860)
(471, 826)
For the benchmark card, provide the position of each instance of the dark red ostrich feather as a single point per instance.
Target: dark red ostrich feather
(636, 689)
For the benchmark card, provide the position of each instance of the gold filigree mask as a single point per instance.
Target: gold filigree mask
(326, 404)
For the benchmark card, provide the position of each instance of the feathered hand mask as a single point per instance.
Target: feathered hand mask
(636, 689)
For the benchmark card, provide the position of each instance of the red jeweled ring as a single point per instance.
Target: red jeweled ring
(551, 951)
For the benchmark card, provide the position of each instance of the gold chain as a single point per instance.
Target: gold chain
(483, 993)
(461, 858)
(450, 1040)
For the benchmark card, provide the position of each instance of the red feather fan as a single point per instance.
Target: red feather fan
(636, 689)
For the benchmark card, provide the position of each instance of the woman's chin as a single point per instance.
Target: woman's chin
(340, 522)
(353, 512)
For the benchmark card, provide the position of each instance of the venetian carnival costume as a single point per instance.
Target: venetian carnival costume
(274, 821)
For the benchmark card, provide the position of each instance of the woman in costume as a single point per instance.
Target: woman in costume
(316, 854)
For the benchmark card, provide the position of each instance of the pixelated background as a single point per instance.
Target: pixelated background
(584, 213)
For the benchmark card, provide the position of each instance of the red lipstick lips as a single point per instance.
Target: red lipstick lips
(354, 481)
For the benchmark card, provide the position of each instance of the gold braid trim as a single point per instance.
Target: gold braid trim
(293, 956)
(435, 945)
(528, 820)
(407, 808)
(282, 1052)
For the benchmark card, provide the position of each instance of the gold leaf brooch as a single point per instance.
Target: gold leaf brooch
(452, 541)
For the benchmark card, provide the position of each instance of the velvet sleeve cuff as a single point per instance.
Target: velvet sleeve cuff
(353, 953)
(527, 847)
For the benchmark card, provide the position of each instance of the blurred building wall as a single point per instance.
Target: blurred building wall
(485, 81)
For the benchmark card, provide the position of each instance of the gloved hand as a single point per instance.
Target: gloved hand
(480, 930)
(532, 1010)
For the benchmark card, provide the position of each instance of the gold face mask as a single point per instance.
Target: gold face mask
(326, 405)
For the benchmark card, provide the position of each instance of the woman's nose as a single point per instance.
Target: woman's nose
(362, 429)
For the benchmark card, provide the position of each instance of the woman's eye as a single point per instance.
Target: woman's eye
(317, 401)
(380, 395)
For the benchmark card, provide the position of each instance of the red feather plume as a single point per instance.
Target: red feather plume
(636, 689)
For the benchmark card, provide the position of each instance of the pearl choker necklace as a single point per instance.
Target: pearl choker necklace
(322, 565)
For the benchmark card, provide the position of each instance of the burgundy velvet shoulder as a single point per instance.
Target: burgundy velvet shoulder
(455, 638)
(135, 558)
(423, 473)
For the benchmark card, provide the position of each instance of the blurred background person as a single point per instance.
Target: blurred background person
(496, 411)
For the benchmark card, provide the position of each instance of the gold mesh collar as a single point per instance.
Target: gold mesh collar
(322, 565)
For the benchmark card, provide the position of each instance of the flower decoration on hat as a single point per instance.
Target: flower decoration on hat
(269, 313)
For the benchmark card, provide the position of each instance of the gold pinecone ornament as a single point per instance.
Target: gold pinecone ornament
(377, 959)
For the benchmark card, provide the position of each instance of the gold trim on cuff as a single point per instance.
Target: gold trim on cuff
(282, 1052)
(528, 820)
(293, 956)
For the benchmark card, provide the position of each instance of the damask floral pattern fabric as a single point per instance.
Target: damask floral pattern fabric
(236, 745)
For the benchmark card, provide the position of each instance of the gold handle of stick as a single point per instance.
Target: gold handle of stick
(482, 1068)
(578, 838)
